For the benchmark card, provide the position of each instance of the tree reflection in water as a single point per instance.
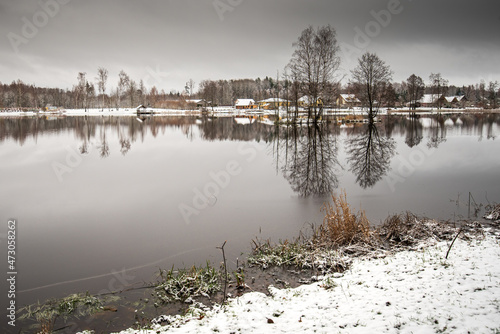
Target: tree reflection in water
(437, 133)
(308, 158)
(413, 132)
(369, 155)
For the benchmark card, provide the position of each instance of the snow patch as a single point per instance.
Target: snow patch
(408, 291)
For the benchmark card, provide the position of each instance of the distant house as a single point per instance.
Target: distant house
(51, 108)
(456, 101)
(414, 104)
(432, 100)
(273, 103)
(142, 109)
(348, 101)
(304, 102)
(245, 104)
(197, 103)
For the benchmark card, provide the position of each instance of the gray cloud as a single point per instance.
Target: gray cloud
(188, 39)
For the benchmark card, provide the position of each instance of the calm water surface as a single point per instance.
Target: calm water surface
(102, 202)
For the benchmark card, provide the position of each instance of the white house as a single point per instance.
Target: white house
(273, 103)
(245, 104)
(348, 100)
(430, 100)
(304, 101)
(456, 100)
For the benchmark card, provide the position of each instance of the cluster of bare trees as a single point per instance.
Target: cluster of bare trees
(20, 95)
(126, 94)
(313, 68)
(310, 80)
(371, 80)
(85, 94)
(225, 92)
(479, 95)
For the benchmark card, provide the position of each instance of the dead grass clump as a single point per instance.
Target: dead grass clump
(407, 229)
(341, 227)
(492, 212)
(396, 228)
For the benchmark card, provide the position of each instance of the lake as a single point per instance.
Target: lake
(103, 202)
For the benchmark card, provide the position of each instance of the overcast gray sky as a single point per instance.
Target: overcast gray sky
(167, 42)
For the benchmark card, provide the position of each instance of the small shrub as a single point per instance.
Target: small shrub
(396, 227)
(492, 212)
(341, 227)
(179, 285)
(240, 278)
(328, 283)
(47, 313)
(407, 229)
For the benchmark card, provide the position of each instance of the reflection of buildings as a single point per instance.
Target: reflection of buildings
(309, 142)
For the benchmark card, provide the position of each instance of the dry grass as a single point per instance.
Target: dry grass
(492, 212)
(344, 235)
(396, 228)
(407, 230)
(341, 227)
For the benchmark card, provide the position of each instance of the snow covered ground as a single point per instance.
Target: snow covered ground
(417, 291)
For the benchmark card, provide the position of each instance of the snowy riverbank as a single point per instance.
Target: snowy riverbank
(226, 110)
(411, 291)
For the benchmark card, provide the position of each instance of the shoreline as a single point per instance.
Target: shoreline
(409, 290)
(231, 111)
(429, 235)
(430, 286)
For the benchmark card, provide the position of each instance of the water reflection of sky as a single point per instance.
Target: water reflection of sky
(119, 204)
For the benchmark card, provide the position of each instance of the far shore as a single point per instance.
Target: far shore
(229, 110)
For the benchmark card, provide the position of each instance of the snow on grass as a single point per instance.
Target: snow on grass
(416, 291)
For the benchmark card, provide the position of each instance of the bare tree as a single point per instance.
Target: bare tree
(481, 93)
(389, 95)
(79, 90)
(438, 87)
(102, 78)
(370, 79)
(416, 87)
(89, 94)
(314, 63)
(286, 90)
(190, 87)
(132, 89)
(153, 96)
(142, 92)
(208, 90)
(123, 83)
(493, 94)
